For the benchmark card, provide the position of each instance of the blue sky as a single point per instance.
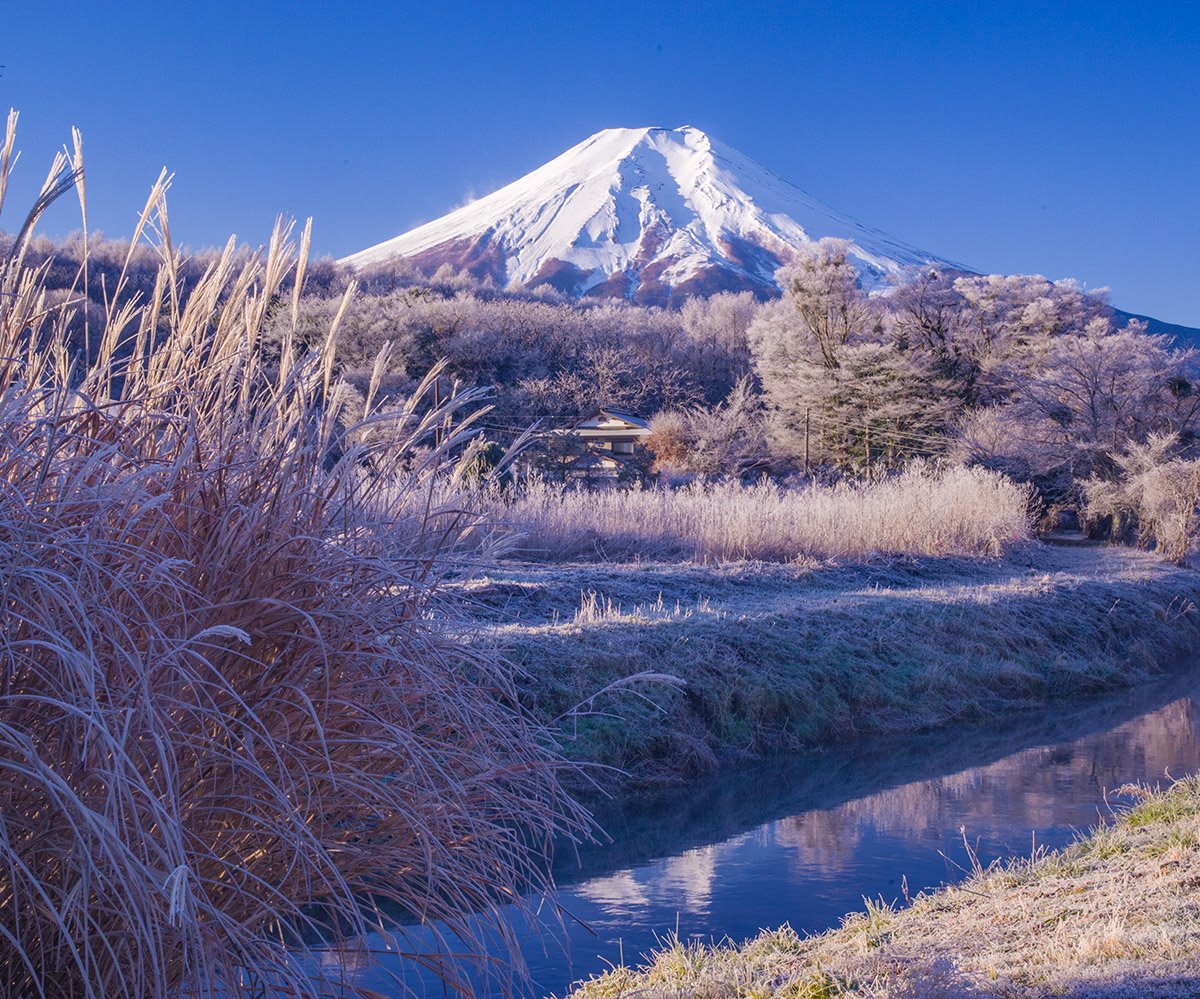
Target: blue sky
(1061, 139)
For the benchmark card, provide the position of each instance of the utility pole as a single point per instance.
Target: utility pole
(868, 444)
(807, 464)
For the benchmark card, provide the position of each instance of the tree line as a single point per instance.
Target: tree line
(1037, 378)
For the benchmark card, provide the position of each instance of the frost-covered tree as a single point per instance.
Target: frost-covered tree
(717, 441)
(822, 289)
(983, 331)
(839, 389)
(928, 316)
(889, 408)
(716, 329)
(1090, 397)
(1010, 321)
(544, 360)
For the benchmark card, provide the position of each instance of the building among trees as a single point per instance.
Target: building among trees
(608, 441)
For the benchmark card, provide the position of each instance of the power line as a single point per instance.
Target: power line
(875, 428)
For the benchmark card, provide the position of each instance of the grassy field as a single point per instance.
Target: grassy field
(1115, 915)
(924, 511)
(772, 657)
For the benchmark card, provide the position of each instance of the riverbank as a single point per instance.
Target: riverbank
(1114, 915)
(777, 657)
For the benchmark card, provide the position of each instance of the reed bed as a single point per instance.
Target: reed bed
(924, 511)
(233, 727)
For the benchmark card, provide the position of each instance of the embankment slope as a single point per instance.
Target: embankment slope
(777, 657)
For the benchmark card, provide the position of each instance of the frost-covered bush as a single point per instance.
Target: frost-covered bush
(1157, 495)
(724, 440)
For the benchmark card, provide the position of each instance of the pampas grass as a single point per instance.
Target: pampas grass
(924, 511)
(231, 725)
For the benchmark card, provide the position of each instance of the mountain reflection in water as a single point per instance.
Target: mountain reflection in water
(803, 840)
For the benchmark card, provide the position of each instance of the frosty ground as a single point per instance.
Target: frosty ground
(769, 657)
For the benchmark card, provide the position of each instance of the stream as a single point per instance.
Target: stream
(804, 840)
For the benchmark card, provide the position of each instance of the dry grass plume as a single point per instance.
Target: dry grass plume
(231, 725)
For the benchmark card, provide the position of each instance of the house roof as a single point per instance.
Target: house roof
(605, 415)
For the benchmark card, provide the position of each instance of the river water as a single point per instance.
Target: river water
(804, 840)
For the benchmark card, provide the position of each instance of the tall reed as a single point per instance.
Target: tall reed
(924, 511)
(230, 721)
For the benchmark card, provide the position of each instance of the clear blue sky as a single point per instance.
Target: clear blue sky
(1057, 138)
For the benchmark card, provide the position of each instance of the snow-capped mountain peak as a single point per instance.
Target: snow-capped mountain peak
(650, 214)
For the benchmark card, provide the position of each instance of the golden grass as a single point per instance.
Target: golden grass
(231, 725)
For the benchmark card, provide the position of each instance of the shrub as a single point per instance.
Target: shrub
(724, 440)
(1158, 494)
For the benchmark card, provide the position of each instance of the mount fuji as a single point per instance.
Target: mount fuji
(653, 215)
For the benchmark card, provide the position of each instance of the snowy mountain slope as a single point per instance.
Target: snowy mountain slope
(648, 214)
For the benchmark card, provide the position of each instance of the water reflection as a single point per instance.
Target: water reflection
(804, 840)
(684, 882)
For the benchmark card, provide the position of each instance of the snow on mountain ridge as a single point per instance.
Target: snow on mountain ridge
(643, 213)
